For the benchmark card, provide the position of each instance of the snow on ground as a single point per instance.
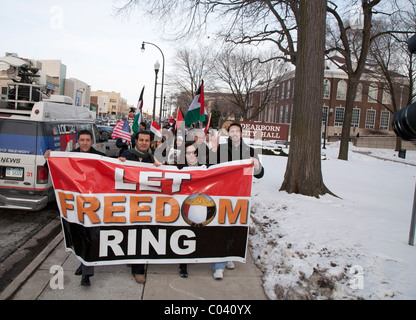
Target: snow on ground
(351, 247)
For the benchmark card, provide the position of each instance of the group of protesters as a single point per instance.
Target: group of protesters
(193, 147)
(171, 147)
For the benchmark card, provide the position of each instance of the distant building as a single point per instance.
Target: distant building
(55, 76)
(110, 104)
(370, 115)
(79, 91)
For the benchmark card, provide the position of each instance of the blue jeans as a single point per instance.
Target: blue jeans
(218, 265)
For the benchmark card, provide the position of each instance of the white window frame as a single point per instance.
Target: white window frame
(342, 90)
(384, 121)
(339, 113)
(327, 89)
(372, 93)
(355, 121)
(370, 119)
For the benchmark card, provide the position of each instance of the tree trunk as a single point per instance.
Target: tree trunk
(303, 172)
(346, 125)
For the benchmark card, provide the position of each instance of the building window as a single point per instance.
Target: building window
(355, 122)
(286, 114)
(281, 115)
(384, 120)
(288, 90)
(339, 116)
(370, 119)
(342, 90)
(359, 94)
(324, 114)
(327, 88)
(372, 93)
(386, 96)
(283, 90)
(291, 114)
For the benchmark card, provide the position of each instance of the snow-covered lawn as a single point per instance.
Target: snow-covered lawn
(351, 247)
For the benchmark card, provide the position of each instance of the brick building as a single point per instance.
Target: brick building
(370, 116)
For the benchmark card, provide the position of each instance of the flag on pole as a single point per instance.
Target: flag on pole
(197, 110)
(208, 124)
(156, 129)
(121, 130)
(179, 120)
(138, 116)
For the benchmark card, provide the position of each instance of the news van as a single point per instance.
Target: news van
(25, 135)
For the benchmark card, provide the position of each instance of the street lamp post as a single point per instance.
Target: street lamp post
(157, 67)
(163, 79)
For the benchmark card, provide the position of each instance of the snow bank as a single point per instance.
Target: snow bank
(351, 247)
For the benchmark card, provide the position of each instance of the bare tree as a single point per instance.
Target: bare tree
(285, 23)
(354, 46)
(191, 67)
(243, 74)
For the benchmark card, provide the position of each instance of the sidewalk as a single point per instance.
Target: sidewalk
(117, 283)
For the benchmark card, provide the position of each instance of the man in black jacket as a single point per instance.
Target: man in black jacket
(141, 153)
(85, 142)
(236, 149)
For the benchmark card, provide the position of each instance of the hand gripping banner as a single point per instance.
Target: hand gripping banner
(132, 212)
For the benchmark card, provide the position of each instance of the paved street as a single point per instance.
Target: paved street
(39, 282)
(23, 235)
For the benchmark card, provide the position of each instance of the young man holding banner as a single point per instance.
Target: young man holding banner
(235, 149)
(85, 142)
(141, 153)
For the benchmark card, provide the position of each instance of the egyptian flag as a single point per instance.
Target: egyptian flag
(138, 115)
(198, 210)
(156, 129)
(197, 109)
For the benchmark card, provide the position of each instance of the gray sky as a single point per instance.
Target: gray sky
(97, 47)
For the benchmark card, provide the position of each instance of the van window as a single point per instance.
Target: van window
(17, 136)
(29, 137)
(61, 136)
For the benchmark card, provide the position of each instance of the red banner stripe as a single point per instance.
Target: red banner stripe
(88, 175)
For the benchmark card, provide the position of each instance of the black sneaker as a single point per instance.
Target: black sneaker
(85, 281)
(183, 272)
(78, 272)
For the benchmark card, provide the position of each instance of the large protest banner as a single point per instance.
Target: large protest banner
(132, 212)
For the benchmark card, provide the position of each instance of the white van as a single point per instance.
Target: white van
(25, 135)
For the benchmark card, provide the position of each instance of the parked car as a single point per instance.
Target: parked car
(107, 129)
(111, 150)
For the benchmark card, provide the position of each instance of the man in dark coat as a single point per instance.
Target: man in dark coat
(141, 153)
(236, 149)
(85, 142)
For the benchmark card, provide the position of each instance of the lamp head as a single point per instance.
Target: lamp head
(157, 65)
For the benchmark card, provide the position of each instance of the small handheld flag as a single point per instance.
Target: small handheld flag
(121, 131)
(197, 110)
(180, 120)
(208, 124)
(138, 116)
(156, 129)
